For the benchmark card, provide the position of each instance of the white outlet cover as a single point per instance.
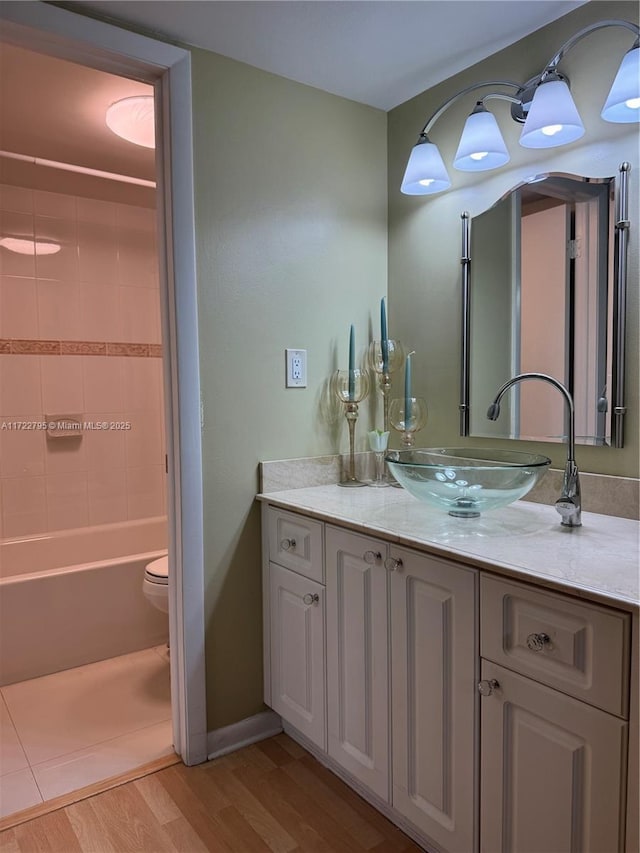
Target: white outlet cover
(296, 361)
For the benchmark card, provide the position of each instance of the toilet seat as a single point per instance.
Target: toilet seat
(158, 571)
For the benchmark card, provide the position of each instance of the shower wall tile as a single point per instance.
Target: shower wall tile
(20, 226)
(100, 312)
(107, 491)
(140, 315)
(65, 455)
(58, 310)
(18, 199)
(54, 204)
(22, 452)
(143, 442)
(62, 265)
(97, 211)
(78, 329)
(141, 388)
(144, 491)
(18, 307)
(62, 388)
(67, 500)
(19, 385)
(24, 506)
(102, 379)
(97, 252)
(104, 448)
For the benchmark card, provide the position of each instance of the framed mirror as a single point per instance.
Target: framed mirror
(544, 278)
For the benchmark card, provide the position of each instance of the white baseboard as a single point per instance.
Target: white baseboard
(247, 731)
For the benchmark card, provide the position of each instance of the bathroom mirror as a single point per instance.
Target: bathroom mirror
(544, 274)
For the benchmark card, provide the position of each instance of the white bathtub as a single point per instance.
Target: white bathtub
(62, 607)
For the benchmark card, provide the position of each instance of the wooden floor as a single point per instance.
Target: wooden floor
(271, 796)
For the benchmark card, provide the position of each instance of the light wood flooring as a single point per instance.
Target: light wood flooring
(271, 796)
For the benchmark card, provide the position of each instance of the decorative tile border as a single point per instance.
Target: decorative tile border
(14, 346)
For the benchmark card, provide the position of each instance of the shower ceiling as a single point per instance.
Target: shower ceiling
(55, 110)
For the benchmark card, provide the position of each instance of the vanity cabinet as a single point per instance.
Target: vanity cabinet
(295, 624)
(478, 712)
(434, 653)
(358, 657)
(554, 730)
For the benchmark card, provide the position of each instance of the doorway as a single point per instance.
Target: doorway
(57, 32)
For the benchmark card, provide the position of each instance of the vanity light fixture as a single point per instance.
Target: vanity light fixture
(133, 119)
(543, 105)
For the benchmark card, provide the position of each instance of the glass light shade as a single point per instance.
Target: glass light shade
(425, 173)
(623, 103)
(133, 119)
(481, 145)
(553, 117)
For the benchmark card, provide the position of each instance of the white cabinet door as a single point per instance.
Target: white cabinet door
(297, 652)
(433, 665)
(551, 770)
(357, 657)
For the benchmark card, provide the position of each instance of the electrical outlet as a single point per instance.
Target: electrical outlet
(296, 368)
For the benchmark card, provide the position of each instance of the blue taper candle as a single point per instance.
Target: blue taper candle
(407, 391)
(384, 338)
(352, 364)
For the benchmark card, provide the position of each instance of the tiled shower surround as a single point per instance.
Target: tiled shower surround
(79, 335)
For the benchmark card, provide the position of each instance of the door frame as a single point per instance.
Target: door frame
(48, 29)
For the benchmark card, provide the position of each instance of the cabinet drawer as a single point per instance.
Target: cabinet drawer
(580, 649)
(295, 542)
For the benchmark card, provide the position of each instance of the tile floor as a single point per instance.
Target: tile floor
(63, 731)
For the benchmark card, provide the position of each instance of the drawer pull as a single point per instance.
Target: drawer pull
(392, 564)
(371, 557)
(311, 598)
(537, 642)
(287, 544)
(487, 686)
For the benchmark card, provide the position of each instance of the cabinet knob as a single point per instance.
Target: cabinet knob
(537, 642)
(392, 564)
(487, 686)
(371, 557)
(311, 598)
(287, 544)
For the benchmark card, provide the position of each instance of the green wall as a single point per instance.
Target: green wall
(424, 232)
(290, 193)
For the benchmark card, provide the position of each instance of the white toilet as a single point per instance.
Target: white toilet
(156, 583)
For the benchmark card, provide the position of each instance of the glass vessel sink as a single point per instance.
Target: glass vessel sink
(466, 481)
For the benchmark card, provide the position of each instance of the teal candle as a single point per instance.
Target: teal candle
(352, 364)
(407, 391)
(384, 339)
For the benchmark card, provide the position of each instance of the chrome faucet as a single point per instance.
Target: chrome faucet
(569, 504)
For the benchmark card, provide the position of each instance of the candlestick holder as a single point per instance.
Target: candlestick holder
(408, 426)
(395, 356)
(351, 387)
(378, 442)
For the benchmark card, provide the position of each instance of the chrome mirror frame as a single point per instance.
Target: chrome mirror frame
(621, 230)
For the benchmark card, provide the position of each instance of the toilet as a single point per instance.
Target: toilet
(156, 583)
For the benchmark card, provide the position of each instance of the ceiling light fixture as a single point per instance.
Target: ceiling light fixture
(543, 105)
(133, 119)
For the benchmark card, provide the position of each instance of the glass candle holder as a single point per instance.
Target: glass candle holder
(378, 442)
(408, 424)
(351, 387)
(384, 367)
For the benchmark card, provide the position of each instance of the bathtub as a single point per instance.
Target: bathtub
(61, 606)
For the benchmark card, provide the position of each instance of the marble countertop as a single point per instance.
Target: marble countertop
(598, 561)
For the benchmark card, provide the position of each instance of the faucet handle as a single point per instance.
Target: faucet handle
(569, 509)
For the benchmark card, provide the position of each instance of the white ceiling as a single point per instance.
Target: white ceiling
(378, 52)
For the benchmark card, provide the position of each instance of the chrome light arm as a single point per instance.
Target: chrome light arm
(569, 504)
(551, 66)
